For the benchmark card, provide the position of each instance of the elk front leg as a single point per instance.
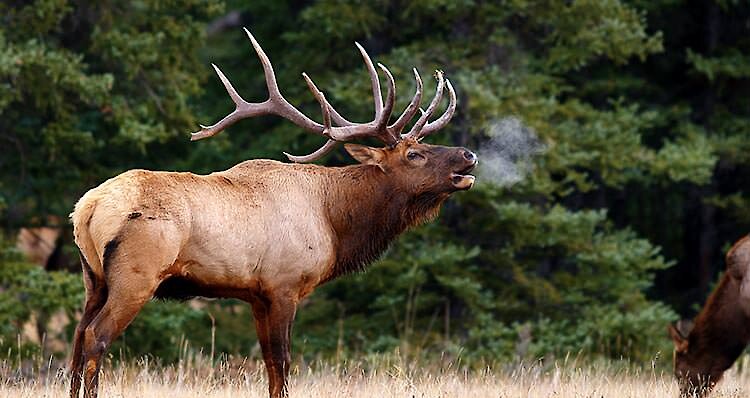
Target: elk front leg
(273, 322)
(260, 313)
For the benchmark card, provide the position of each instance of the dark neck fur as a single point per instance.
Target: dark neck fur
(721, 332)
(368, 211)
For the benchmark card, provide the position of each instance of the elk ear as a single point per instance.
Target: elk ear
(366, 154)
(684, 326)
(679, 337)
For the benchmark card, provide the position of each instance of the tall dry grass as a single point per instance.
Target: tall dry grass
(387, 378)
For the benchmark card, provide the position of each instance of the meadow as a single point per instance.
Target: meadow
(381, 378)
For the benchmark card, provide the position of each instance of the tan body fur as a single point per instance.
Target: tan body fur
(244, 237)
(269, 225)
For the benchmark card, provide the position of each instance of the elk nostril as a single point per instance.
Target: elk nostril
(470, 156)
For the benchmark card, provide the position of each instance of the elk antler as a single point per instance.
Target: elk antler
(394, 130)
(421, 128)
(345, 130)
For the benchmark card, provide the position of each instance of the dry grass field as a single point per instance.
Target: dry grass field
(246, 379)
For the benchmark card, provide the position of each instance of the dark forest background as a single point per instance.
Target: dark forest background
(619, 226)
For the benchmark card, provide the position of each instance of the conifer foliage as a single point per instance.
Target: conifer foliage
(612, 138)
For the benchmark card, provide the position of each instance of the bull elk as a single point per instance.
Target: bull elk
(263, 231)
(707, 347)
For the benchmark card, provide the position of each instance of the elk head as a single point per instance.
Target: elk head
(693, 372)
(418, 167)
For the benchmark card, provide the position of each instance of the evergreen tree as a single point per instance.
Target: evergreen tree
(612, 140)
(90, 89)
(543, 257)
(87, 90)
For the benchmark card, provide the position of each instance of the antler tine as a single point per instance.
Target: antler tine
(416, 130)
(420, 122)
(270, 75)
(325, 108)
(322, 151)
(230, 119)
(443, 120)
(278, 105)
(373, 79)
(236, 98)
(410, 111)
(390, 102)
(337, 118)
(378, 128)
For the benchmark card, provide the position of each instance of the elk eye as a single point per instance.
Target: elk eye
(414, 156)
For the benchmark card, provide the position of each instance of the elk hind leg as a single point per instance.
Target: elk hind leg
(96, 295)
(134, 273)
(123, 304)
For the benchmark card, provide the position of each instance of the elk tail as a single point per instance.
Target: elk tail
(81, 218)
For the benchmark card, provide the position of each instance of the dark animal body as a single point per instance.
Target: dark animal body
(709, 346)
(263, 231)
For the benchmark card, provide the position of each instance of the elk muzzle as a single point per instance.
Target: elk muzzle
(461, 179)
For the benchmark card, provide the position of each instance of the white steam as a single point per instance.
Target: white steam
(506, 158)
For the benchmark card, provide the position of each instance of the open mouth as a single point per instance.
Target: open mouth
(462, 179)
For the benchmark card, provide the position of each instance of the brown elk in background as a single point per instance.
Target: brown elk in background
(38, 244)
(707, 347)
(263, 231)
(42, 245)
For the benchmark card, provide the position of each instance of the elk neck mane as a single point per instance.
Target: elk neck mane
(368, 210)
(720, 327)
